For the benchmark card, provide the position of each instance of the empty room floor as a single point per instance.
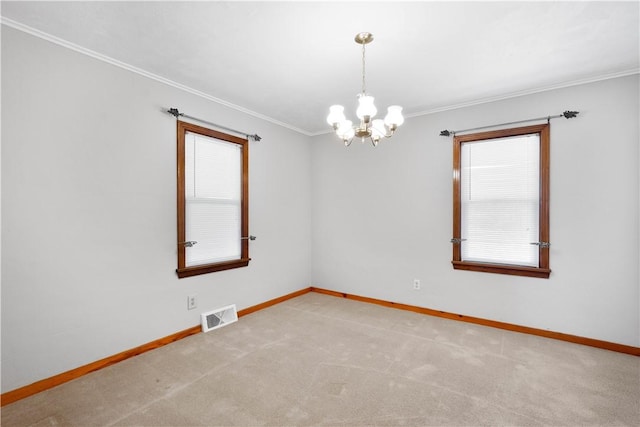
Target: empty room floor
(323, 360)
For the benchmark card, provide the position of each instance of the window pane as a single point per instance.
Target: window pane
(213, 192)
(216, 228)
(212, 168)
(499, 193)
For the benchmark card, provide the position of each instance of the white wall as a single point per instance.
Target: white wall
(382, 217)
(89, 211)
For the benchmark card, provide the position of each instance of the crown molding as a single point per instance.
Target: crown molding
(69, 45)
(541, 89)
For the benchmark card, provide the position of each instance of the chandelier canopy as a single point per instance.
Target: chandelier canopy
(366, 111)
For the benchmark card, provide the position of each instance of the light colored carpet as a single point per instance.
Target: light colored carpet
(322, 360)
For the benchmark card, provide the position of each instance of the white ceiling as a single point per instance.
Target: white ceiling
(289, 61)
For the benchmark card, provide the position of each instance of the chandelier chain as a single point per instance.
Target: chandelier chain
(364, 87)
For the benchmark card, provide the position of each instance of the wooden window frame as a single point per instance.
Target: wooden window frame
(183, 270)
(543, 270)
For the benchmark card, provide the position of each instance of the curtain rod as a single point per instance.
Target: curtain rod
(566, 115)
(176, 113)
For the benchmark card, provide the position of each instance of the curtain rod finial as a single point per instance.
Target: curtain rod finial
(445, 133)
(174, 112)
(570, 114)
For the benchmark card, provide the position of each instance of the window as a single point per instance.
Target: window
(501, 201)
(213, 176)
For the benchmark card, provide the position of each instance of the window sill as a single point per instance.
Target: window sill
(210, 268)
(514, 270)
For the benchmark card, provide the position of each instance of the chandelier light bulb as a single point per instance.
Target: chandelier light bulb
(336, 116)
(378, 130)
(366, 110)
(394, 117)
(345, 130)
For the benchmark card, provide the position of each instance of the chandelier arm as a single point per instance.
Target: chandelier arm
(389, 133)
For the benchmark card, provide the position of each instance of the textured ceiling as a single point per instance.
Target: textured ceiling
(289, 61)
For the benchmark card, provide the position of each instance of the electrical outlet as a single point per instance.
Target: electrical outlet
(191, 302)
(416, 284)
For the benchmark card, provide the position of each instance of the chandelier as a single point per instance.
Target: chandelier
(366, 111)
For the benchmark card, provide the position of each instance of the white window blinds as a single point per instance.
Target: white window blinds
(499, 192)
(213, 197)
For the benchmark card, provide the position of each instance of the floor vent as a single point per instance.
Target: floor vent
(218, 318)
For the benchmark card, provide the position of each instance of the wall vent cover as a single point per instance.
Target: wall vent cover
(218, 318)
